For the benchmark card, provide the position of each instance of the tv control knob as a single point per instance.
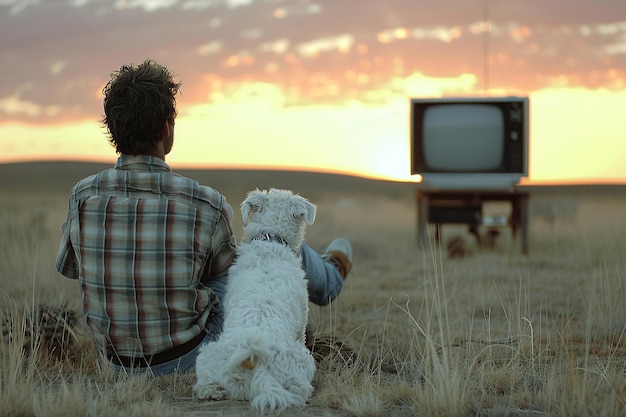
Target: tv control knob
(514, 136)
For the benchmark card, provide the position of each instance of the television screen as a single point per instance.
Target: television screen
(463, 137)
(470, 142)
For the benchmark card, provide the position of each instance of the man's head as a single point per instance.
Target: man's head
(139, 105)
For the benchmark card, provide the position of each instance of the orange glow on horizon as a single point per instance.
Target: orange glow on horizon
(577, 135)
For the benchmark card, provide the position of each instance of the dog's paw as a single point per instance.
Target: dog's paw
(276, 403)
(268, 395)
(212, 392)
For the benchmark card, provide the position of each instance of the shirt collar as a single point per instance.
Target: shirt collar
(141, 163)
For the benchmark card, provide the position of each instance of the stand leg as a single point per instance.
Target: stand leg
(423, 203)
(523, 217)
(519, 220)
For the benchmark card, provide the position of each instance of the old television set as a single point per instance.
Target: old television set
(471, 143)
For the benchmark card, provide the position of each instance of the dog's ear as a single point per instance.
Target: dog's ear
(252, 204)
(305, 209)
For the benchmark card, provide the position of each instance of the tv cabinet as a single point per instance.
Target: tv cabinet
(439, 207)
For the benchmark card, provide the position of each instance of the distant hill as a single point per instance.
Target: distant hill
(60, 176)
(56, 176)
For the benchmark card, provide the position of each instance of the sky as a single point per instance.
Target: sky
(320, 85)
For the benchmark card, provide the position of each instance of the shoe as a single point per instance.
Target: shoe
(339, 253)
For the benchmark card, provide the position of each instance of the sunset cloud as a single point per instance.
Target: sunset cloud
(310, 50)
(15, 106)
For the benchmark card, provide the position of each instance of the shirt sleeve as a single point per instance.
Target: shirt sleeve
(223, 247)
(66, 261)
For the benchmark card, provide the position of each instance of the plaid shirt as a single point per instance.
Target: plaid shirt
(144, 244)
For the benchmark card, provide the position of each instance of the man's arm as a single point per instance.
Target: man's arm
(66, 262)
(223, 250)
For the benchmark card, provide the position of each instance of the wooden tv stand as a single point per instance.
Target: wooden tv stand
(466, 207)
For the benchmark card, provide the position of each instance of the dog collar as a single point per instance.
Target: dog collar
(273, 238)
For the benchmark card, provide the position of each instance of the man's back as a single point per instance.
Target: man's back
(146, 241)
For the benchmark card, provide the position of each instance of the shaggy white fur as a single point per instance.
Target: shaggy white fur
(261, 356)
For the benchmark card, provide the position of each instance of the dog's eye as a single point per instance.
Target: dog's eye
(254, 208)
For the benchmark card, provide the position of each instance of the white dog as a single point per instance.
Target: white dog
(261, 355)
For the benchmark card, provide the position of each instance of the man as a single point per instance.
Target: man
(151, 249)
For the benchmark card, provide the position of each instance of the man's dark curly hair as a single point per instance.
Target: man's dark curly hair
(138, 100)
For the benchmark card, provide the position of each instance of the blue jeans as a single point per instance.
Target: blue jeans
(325, 282)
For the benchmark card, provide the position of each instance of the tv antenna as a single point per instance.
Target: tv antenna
(486, 32)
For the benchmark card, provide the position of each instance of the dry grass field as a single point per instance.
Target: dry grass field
(414, 332)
